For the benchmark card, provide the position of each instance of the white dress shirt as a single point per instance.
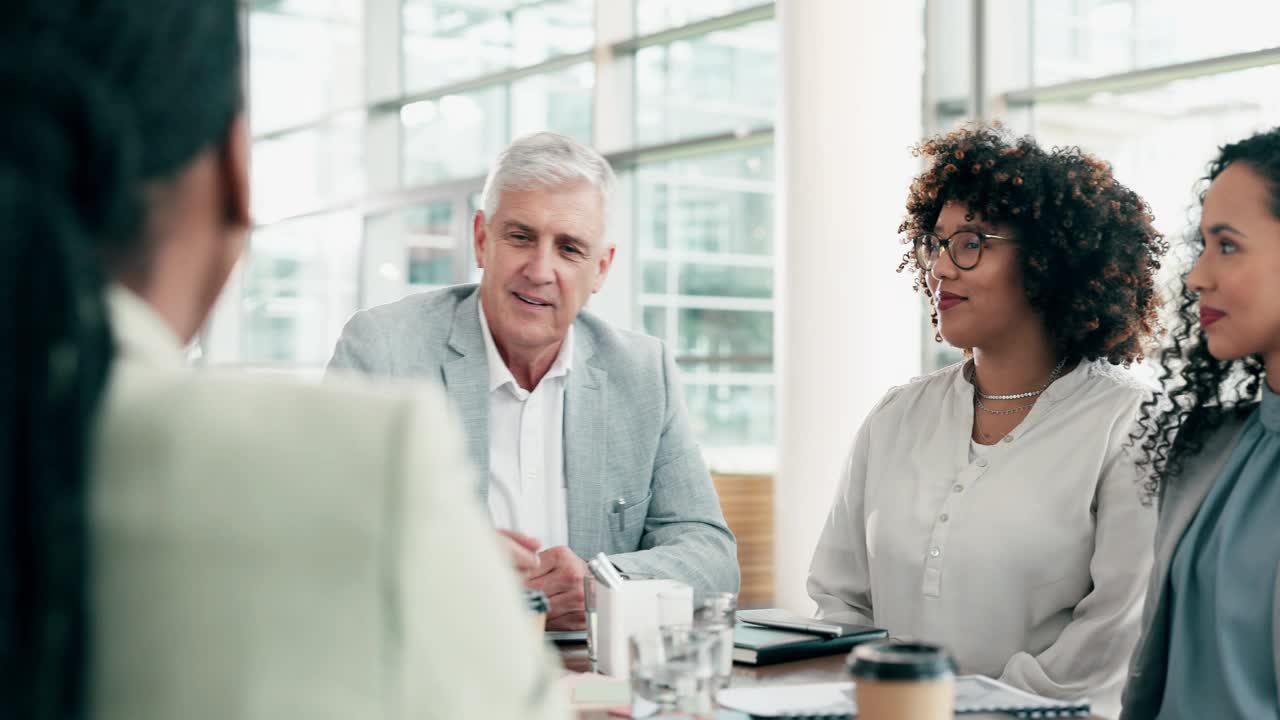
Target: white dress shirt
(1028, 559)
(526, 446)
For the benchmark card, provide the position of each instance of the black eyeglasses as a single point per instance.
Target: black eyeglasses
(964, 247)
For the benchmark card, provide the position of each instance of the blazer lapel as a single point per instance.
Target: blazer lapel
(1178, 507)
(466, 379)
(1198, 477)
(585, 400)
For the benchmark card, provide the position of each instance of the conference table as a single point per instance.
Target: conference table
(814, 670)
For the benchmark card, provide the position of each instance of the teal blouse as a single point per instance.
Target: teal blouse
(1222, 586)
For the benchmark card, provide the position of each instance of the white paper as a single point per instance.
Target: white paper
(974, 693)
(811, 699)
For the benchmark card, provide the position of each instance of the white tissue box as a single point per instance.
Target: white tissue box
(634, 608)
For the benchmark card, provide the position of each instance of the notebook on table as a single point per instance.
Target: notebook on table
(834, 701)
(757, 645)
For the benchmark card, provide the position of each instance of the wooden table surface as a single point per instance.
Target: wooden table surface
(814, 670)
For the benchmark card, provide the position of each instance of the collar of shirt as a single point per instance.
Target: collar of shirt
(140, 333)
(500, 374)
(1270, 410)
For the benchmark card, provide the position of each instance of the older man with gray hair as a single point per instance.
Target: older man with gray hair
(581, 426)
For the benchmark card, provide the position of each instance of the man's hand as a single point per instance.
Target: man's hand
(560, 577)
(523, 551)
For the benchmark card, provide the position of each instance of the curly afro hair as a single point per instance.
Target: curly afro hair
(1088, 251)
(1201, 392)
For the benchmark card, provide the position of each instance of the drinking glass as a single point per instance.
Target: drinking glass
(672, 668)
(716, 616)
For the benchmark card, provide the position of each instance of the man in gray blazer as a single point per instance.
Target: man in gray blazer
(580, 426)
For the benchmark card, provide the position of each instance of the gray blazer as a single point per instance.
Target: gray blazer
(1179, 502)
(626, 431)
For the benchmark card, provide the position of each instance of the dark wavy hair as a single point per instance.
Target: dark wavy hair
(1201, 392)
(102, 99)
(1088, 251)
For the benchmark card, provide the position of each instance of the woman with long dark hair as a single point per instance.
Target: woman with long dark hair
(1211, 641)
(195, 545)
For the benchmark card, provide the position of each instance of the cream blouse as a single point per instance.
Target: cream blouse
(1029, 561)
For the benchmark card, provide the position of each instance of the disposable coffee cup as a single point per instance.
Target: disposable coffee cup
(895, 680)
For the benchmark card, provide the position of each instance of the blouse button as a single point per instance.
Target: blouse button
(982, 462)
(957, 487)
(934, 552)
(1007, 438)
(944, 517)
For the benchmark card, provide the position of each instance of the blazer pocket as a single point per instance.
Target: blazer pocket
(633, 513)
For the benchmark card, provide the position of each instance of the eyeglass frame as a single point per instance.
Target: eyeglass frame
(944, 244)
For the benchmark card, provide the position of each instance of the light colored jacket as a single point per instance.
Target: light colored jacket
(626, 431)
(1179, 502)
(267, 550)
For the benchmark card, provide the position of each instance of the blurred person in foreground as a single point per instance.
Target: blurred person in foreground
(202, 545)
(581, 426)
(1211, 639)
(992, 506)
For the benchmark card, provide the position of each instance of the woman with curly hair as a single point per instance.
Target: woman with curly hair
(991, 505)
(1211, 642)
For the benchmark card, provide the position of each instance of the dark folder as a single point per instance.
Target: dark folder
(756, 645)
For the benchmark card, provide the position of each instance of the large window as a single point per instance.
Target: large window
(307, 60)
(704, 220)
(298, 289)
(447, 41)
(1076, 39)
(722, 81)
(1151, 86)
(375, 121)
(653, 16)
(704, 239)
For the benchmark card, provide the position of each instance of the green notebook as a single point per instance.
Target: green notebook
(755, 645)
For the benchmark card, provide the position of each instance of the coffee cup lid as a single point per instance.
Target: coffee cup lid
(900, 660)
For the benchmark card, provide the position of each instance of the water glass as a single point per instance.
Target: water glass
(672, 668)
(716, 616)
